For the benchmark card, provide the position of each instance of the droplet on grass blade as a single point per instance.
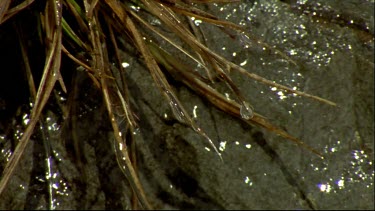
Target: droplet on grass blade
(246, 111)
(200, 132)
(176, 108)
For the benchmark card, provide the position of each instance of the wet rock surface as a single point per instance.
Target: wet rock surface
(179, 169)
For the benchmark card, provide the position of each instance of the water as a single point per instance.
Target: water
(245, 111)
(324, 52)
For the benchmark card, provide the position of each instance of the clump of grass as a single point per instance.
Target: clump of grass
(68, 27)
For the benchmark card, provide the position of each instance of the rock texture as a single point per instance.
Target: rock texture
(260, 170)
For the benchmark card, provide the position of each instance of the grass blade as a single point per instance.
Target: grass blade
(219, 100)
(49, 78)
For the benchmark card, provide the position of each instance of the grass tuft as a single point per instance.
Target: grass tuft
(82, 30)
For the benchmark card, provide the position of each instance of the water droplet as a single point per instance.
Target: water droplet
(200, 131)
(176, 108)
(195, 111)
(125, 64)
(243, 63)
(222, 146)
(197, 129)
(197, 22)
(177, 112)
(246, 111)
(136, 130)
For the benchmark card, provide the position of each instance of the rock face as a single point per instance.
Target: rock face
(179, 170)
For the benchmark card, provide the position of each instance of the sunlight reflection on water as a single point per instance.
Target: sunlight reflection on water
(316, 47)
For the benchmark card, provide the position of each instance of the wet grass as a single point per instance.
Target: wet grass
(92, 34)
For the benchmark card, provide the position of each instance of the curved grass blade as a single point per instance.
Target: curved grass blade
(192, 11)
(125, 158)
(49, 78)
(156, 73)
(217, 99)
(4, 5)
(246, 107)
(44, 134)
(6, 13)
(164, 14)
(101, 65)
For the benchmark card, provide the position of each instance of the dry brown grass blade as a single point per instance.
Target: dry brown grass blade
(192, 11)
(84, 65)
(101, 65)
(220, 69)
(123, 93)
(247, 109)
(4, 5)
(279, 86)
(157, 75)
(213, 1)
(184, 34)
(90, 9)
(153, 29)
(198, 1)
(25, 59)
(49, 78)
(217, 99)
(11, 12)
(130, 172)
(76, 60)
(175, 25)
